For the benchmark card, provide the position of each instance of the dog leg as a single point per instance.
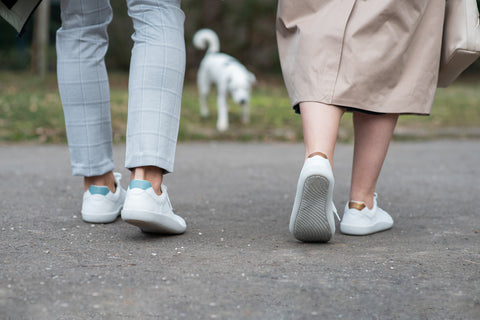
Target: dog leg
(203, 85)
(222, 120)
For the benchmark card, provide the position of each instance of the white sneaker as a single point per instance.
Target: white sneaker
(151, 212)
(362, 221)
(100, 205)
(312, 215)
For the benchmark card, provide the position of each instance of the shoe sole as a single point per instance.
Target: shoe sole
(363, 231)
(100, 218)
(153, 222)
(311, 221)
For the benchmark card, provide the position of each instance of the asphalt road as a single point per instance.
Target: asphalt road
(237, 259)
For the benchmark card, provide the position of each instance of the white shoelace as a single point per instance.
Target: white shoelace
(335, 211)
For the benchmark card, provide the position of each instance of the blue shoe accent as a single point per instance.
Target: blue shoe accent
(141, 184)
(99, 190)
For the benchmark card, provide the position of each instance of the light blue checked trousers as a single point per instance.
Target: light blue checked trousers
(157, 70)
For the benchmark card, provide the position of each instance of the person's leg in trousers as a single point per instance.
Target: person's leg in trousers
(157, 72)
(82, 42)
(155, 87)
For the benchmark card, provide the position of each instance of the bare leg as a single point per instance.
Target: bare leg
(312, 214)
(152, 174)
(372, 138)
(320, 127)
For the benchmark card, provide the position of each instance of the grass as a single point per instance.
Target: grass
(30, 110)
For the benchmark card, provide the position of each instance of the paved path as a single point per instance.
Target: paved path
(237, 259)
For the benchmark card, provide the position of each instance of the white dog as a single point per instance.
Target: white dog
(229, 75)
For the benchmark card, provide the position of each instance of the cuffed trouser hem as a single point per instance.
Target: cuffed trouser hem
(80, 170)
(146, 160)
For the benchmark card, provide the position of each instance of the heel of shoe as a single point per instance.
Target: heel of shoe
(310, 221)
(155, 222)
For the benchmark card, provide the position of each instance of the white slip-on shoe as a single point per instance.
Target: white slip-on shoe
(312, 215)
(149, 211)
(359, 220)
(100, 205)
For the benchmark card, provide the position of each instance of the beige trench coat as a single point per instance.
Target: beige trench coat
(375, 55)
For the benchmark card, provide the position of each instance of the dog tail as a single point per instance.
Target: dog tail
(206, 39)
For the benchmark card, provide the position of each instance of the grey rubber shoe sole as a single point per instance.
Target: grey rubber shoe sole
(311, 221)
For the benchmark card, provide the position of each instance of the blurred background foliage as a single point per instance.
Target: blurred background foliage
(246, 30)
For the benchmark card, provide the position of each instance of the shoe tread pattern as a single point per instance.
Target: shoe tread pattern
(311, 222)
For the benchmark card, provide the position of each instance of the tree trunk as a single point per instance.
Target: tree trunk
(40, 39)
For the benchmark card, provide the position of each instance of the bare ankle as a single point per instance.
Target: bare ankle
(355, 203)
(106, 179)
(318, 153)
(152, 174)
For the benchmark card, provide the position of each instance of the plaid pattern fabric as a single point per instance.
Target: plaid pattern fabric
(155, 84)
